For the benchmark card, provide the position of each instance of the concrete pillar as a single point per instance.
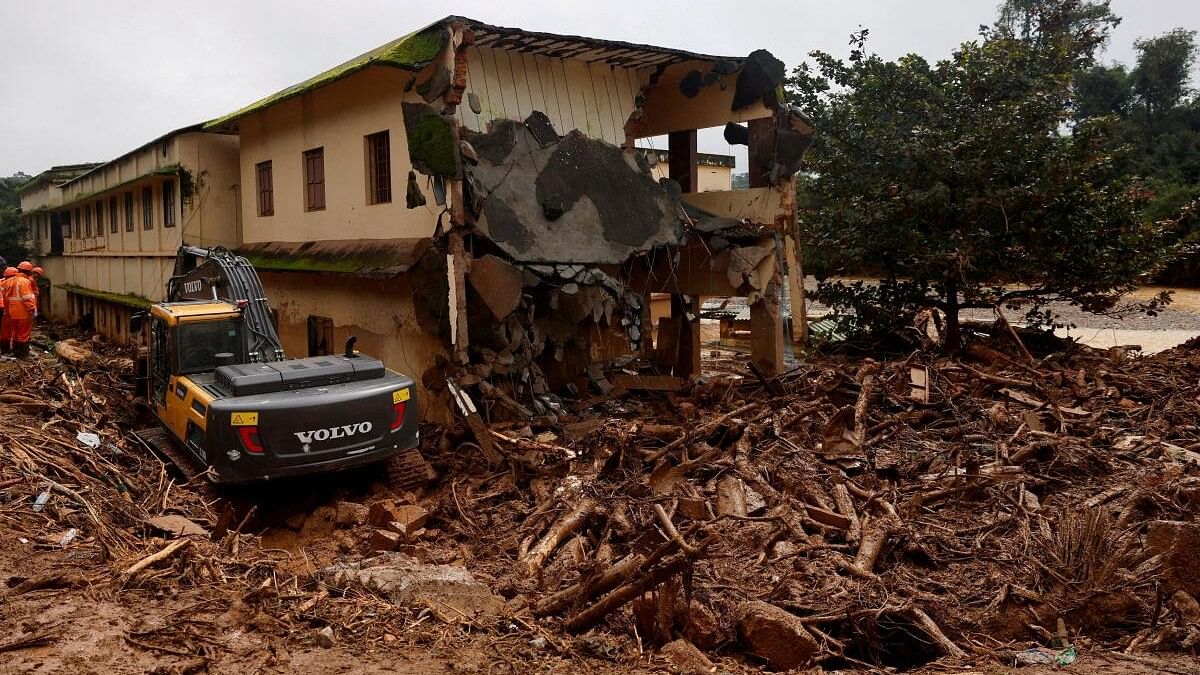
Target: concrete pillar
(685, 317)
(766, 330)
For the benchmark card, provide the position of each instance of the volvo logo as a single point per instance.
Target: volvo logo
(344, 431)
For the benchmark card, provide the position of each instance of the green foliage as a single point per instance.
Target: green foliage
(1160, 80)
(1102, 90)
(14, 245)
(1157, 126)
(956, 178)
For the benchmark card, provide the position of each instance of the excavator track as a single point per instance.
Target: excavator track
(409, 470)
(158, 440)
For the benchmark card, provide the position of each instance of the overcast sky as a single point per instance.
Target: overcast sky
(84, 80)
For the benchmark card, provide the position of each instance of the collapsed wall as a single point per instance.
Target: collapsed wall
(551, 243)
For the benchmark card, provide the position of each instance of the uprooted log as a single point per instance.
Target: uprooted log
(876, 530)
(570, 523)
(620, 572)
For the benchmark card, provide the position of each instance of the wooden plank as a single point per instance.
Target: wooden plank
(550, 89)
(521, 92)
(567, 99)
(536, 91)
(601, 76)
(475, 73)
(493, 102)
(583, 101)
(508, 86)
(647, 382)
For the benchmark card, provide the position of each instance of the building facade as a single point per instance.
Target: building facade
(468, 201)
(108, 236)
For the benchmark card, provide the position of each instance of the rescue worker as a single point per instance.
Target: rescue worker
(35, 276)
(19, 304)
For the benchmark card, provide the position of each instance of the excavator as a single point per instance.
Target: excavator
(232, 407)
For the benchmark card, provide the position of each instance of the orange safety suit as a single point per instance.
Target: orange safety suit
(20, 303)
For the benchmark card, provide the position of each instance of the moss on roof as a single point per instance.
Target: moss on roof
(367, 258)
(135, 301)
(412, 52)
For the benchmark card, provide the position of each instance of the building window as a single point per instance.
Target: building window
(78, 222)
(320, 335)
(99, 219)
(147, 208)
(314, 179)
(129, 212)
(87, 221)
(64, 219)
(379, 169)
(266, 188)
(112, 214)
(168, 197)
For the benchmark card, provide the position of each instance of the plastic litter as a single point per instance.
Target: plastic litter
(68, 537)
(89, 439)
(1033, 657)
(41, 500)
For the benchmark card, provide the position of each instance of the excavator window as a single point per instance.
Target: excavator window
(198, 344)
(160, 359)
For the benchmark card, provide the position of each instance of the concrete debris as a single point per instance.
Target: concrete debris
(531, 193)
(449, 591)
(325, 637)
(498, 283)
(348, 514)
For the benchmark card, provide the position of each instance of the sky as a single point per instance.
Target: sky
(87, 80)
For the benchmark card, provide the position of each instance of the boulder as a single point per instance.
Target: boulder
(775, 634)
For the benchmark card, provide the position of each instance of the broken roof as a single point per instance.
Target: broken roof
(416, 50)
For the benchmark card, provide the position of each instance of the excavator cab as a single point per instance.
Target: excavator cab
(232, 406)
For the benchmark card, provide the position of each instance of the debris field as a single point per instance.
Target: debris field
(994, 509)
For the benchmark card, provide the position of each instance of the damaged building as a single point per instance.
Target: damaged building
(470, 201)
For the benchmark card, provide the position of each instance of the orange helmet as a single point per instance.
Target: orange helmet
(10, 272)
(25, 266)
(39, 271)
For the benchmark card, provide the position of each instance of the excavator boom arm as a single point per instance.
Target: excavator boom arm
(219, 274)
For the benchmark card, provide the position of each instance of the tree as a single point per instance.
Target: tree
(1038, 19)
(13, 236)
(1160, 80)
(957, 182)
(1102, 90)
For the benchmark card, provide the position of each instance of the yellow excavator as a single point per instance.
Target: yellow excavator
(231, 406)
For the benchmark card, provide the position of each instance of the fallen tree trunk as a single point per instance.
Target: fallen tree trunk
(537, 556)
(876, 531)
(622, 595)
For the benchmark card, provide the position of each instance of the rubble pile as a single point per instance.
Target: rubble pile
(853, 513)
(847, 514)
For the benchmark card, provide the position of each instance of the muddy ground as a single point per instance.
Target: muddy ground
(250, 594)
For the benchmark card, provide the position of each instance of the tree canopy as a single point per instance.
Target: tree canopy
(964, 182)
(13, 237)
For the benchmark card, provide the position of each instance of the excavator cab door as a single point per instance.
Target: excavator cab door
(161, 346)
